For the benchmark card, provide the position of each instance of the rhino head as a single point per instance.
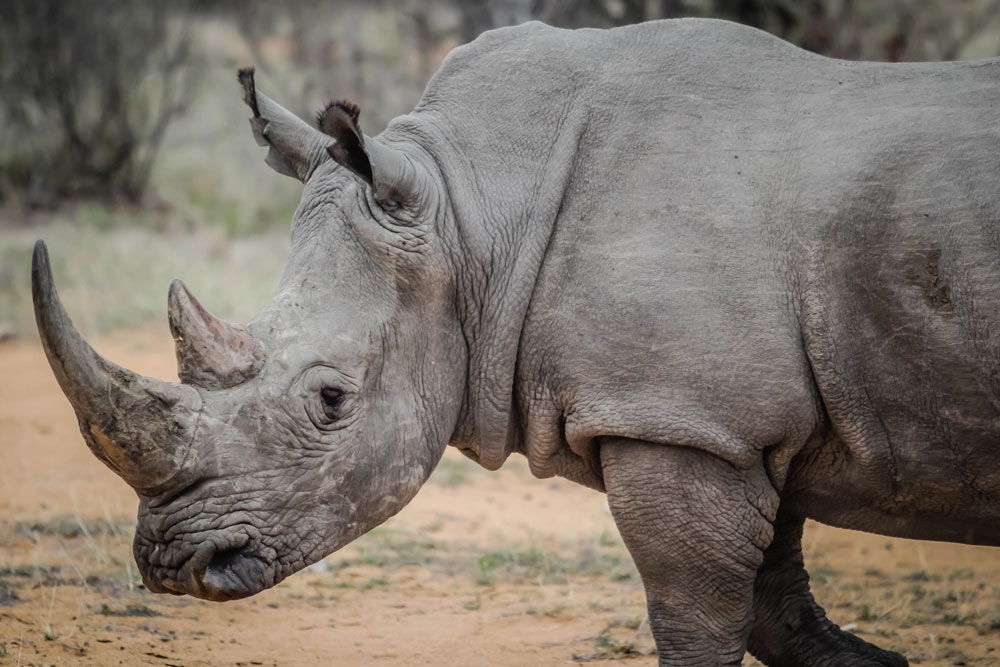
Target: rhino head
(289, 437)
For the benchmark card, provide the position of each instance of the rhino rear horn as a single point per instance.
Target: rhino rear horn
(139, 427)
(211, 353)
(296, 148)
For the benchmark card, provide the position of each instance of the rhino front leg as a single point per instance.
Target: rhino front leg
(790, 629)
(697, 528)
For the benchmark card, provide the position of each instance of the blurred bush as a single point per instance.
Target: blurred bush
(123, 139)
(87, 90)
(853, 29)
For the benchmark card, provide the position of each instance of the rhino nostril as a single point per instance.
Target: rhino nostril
(225, 560)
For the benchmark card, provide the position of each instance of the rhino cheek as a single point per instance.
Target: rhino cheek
(406, 481)
(381, 489)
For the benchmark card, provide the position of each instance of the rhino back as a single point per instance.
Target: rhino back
(743, 247)
(602, 167)
(665, 307)
(785, 230)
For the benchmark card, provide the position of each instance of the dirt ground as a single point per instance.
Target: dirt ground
(482, 568)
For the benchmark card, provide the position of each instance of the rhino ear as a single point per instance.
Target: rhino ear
(296, 148)
(340, 121)
(392, 176)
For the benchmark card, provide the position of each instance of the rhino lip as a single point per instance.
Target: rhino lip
(232, 574)
(219, 573)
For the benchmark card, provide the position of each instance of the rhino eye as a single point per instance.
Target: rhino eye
(328, 397)
(332, 400)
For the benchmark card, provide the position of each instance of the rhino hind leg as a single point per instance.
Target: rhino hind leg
(790, 629)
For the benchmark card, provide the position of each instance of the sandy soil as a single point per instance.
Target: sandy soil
(482, 568)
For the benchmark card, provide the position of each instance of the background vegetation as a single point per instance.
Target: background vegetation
(123, 143)
(122, 140)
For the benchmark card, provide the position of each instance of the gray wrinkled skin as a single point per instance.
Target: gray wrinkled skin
(277, 480)
(731, 283)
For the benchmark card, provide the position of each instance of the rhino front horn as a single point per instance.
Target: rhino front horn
(211, 353)
(139, 427)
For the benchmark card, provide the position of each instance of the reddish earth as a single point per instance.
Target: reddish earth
(482, 568)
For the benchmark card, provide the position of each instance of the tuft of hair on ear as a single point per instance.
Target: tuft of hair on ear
(245, 76)
(336, 116)
(339, 120)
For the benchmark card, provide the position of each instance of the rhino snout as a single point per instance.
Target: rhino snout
(222, 567)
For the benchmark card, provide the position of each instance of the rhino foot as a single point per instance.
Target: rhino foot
(817, 642)
(836, 648)
(790, 629)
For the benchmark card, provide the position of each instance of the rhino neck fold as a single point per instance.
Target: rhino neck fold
(506, 163)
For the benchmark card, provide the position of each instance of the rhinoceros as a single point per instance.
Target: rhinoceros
(730, 283)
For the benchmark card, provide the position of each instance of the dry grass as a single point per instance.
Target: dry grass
(937, 616)
(480, 568)
(114, 280)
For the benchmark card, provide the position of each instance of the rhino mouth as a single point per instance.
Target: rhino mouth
(234, 573)
(216, 572)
